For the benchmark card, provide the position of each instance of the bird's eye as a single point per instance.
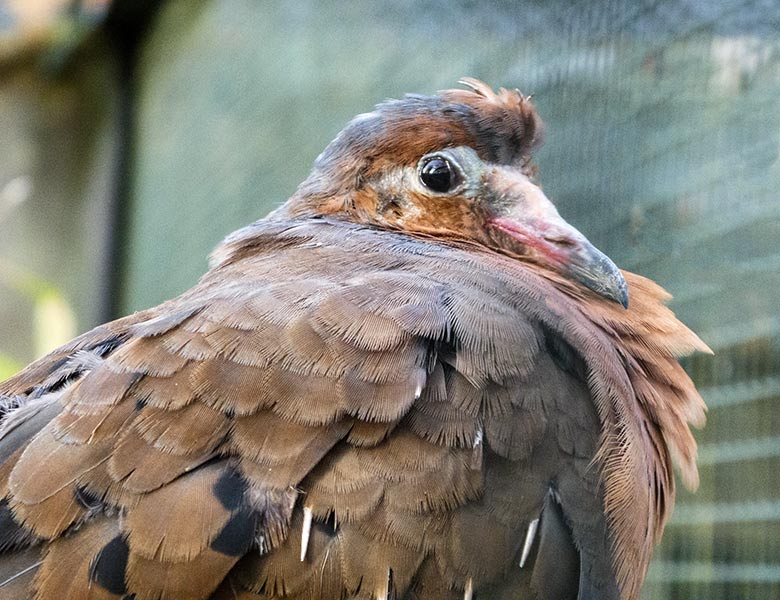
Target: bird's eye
(438, 174)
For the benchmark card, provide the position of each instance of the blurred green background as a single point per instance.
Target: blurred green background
(135, 135)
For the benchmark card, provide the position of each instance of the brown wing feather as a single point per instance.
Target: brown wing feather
(68, 568)
(419, 412)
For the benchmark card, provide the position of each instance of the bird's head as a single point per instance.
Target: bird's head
(454, 167)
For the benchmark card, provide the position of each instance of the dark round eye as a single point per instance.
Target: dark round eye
(438, 175)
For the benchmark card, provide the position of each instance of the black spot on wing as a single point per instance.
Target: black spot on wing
(105, 347)
(40, 390)
(237, 536)
(108, 567)
(12, 535)
(229, 489)
(57, 380)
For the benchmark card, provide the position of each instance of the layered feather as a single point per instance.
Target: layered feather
(339, 411)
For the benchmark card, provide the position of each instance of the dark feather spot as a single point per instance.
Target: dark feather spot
(108, 567)
(330, 524)
(12, 535)
(88, 499)
(40, 390)
(105, 347)
(229, 489)
(237, 536)
(102, 349)
(556, 570)
(564, 356)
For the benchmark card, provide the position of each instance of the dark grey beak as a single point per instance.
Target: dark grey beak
(525, 213)
(594, 269)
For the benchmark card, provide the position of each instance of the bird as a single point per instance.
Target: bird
(413, 379)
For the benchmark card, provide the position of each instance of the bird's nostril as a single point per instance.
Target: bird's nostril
(564, 242)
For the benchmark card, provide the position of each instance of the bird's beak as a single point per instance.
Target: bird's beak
(521, 210)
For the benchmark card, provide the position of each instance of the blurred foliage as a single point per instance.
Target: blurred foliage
(58, 133)
(53, 322)
(8, 366)
(46, 31)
